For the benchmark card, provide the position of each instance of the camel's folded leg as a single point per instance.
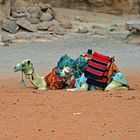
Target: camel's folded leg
(42, 88)
(71, 89)
(83, 87)
(115, 85)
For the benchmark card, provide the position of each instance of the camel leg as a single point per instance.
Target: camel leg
(84, 87)
(42, 88)
(114, 85)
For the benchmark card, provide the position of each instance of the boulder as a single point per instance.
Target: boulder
(22, 5)
(34, 11)
(21, 35)
(18, 14)
(58, 30)
(67, 24)
(10, 26)
(44, 25)
(44, 7)
(26, 25)
(6, 39)
(46, 17)
(133, 24)
(82, 29)
(33, 20)
(51, 11)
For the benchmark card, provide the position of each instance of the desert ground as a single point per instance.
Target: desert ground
(29, 114)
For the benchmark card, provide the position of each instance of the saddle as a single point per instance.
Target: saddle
(100, 70)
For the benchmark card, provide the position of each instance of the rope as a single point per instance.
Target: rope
(23, 81)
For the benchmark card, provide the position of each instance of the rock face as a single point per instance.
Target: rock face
(5, 7)
(107, 6)
(115, 6)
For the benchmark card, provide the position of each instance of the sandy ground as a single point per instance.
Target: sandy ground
(28, 114)
(54, 115)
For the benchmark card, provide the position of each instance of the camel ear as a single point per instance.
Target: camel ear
(28, 62)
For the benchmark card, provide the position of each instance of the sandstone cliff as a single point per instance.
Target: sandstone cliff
(114, 6)
(107, 6)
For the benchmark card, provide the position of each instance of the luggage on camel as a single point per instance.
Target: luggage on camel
(64, 70)
(98, 71)
(79, 66)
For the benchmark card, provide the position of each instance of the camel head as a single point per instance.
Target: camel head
(25, 66)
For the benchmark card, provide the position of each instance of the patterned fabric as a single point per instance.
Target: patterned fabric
(113, 69)
(71, 83)
(53, 82)
(82, 79)
(97, 70)
(79, 66)
(119, 77)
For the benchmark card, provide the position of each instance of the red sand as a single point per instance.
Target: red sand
(28, 114)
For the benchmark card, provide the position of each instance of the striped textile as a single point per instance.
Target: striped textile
(97, 70)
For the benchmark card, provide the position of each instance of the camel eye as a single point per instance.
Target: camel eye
(28, 62)
(23, 65)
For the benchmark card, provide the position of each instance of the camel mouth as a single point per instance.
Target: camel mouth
(15, 69)
(18, 67)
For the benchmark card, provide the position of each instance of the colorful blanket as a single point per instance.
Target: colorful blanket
(99, 70)
(53, 81)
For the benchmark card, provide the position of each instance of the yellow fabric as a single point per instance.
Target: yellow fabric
(113, 69)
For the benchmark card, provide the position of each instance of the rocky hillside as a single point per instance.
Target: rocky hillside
(107, 6)
(101, 5)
